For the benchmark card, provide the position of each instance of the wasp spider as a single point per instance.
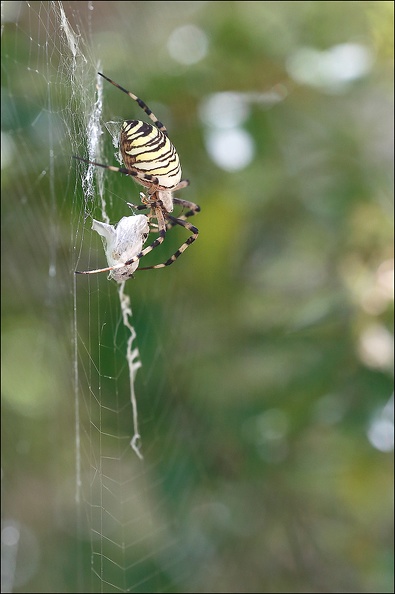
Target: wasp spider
(151, 159)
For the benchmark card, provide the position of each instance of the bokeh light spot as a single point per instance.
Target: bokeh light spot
(187, 44)
(231, 150)
(331, 70)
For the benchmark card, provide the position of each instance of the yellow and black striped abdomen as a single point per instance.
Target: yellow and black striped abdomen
(147, 150)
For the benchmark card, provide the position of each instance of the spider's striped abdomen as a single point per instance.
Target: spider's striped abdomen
(147, 150)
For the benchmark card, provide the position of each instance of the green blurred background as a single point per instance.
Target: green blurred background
(265, 390)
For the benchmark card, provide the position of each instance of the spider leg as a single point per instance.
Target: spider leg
(143, 176)
(137, 206)
(108, 269)
(182, 184)
(160, 239)
(194, 208)
(153, 226)
(141, 103)
(185, 245)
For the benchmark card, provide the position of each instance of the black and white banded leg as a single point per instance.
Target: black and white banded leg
(194, 235)
(141, 104)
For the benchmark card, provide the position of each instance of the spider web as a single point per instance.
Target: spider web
(86, 331)
(258, 368)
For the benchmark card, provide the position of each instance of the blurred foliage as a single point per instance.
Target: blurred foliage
(267, 370)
